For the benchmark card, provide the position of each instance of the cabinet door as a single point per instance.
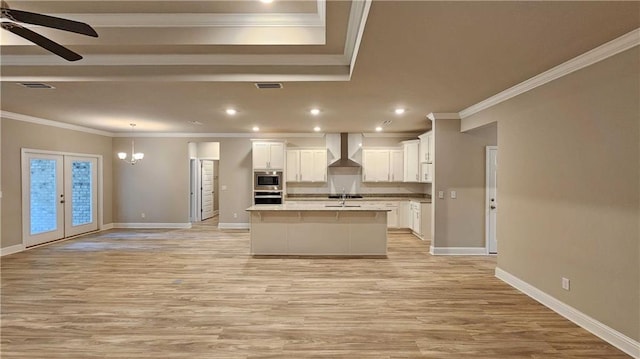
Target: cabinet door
(396, 165)
(426, 175)
(382, 166)
(293, 166)
(260, 155)
(392, 218)
(376, 166)
(276, 156)
(411, 170)
(431, 152)
(425, 220)
(404, 214)
(417, 218)
(306, 165)
(423, 148)
(319, 166)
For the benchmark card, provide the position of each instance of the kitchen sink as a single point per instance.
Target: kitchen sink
(339, 205)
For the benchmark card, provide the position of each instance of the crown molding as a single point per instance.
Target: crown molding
(443, 116)
(251, 135)
(42, 121)
(115, 20)
(611, 48)
(355, 30)
(184, 60)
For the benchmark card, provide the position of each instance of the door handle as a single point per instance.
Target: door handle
(492, 207)
(62, 201)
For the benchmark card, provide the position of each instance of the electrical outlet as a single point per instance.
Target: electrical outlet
(441, 194)
(223, 187)
(566, 284)
(235, 215)
(143, 215)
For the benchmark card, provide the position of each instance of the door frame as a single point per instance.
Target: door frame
(25, 197)
(488, 197)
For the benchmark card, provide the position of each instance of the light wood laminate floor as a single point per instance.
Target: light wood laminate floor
(198, 294)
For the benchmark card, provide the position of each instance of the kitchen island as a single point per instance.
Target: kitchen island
(333, 230)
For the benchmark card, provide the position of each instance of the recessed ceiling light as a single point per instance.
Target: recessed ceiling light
(399, 111)
(256, 128)
(317, 128)
(378, 129)
(231, 111)
(266, 1)
(315, 111)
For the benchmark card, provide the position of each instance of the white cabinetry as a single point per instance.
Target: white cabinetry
(411, 161)
(382, 165)
(420, 222)
(307, 165)
(396, 165)
(426, 157)
(268, 155)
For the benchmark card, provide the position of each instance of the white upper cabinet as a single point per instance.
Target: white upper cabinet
(427, 156)
(382, 165)
(268, 155)
(307, 165)
(411, 162)
(375, 166)
(293, 166)
(396, 165)
(426, 147)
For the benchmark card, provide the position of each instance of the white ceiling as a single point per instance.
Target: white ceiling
(163, 64)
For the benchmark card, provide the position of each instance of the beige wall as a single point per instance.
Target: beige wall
(157, 186)
(569, 189)
(459, 165)
(17, 135)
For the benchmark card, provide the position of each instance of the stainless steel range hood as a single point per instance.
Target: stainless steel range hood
(344, 160)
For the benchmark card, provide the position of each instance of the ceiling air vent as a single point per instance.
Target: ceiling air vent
(35, 85)
(268, 85)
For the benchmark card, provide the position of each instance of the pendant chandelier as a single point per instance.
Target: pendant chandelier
(135, 157)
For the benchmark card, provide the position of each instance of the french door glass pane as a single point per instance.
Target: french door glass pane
(81, 193)
(43, 206)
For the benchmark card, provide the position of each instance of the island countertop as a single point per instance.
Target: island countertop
(295, 207)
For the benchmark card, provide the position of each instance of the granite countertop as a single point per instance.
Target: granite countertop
(293, 207)
(373, 197)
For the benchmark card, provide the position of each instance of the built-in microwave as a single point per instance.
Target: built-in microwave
(267, 181)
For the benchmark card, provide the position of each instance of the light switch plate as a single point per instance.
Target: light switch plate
(454, 195)
(441, 194)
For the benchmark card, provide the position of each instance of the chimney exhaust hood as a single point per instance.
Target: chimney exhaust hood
(344, 160)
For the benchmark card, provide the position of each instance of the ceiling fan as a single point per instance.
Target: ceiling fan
(47, 21)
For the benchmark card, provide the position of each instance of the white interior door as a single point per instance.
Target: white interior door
(207, 189)
(42, 198)
(81, 195)
(491, 198)
(59, 196)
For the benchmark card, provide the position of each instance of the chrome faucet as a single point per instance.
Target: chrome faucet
(343, 197)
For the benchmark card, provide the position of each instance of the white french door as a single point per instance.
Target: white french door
(59, 196)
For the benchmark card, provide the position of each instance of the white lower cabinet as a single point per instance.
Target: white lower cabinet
(420, 219)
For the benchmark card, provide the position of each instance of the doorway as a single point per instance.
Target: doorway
(59, 195)
(491, 201)
(203, 193)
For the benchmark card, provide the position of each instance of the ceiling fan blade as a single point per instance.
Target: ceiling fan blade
(49, 21)
(42, 41)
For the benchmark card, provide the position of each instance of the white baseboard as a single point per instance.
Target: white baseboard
(11, 249)
(152, 225)
(106, 227)
(599, 329)
(233, 225)
(458, 251)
